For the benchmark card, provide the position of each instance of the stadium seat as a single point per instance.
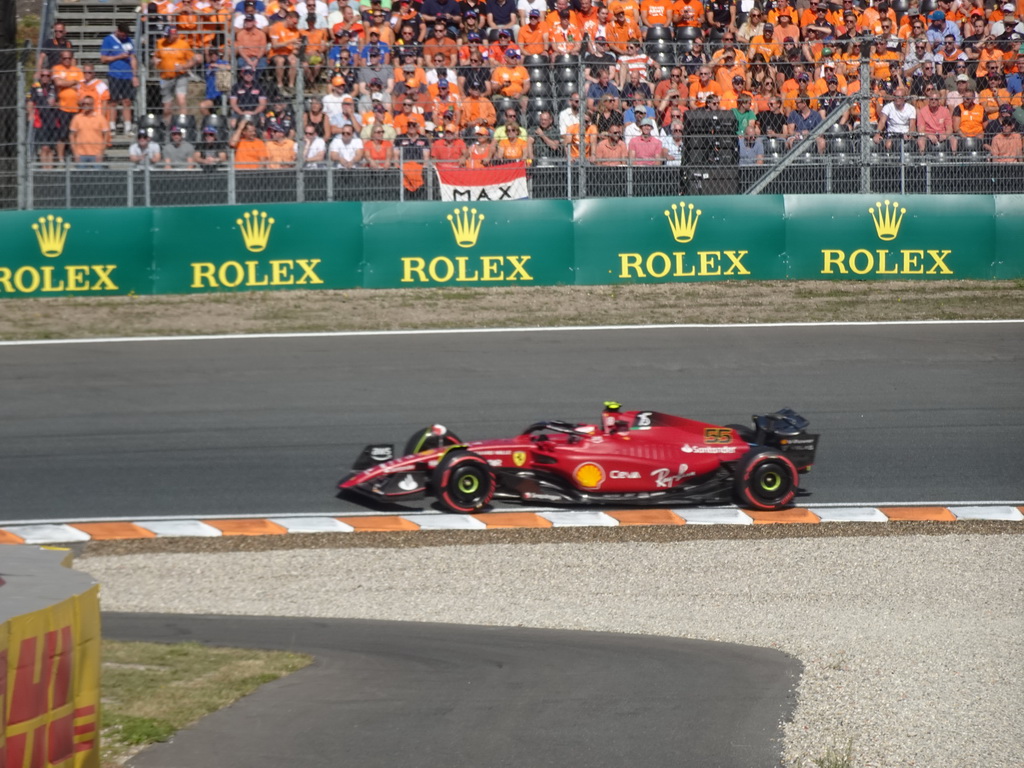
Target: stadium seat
(538, 74)
(153, 126)
(539, 104)
(566, 60)
(216, 122)
(664, 58)
(564, 89)
(658, 46)
(535, 60)
(503, 104)
(187, 124)
(658, 32)
(566, 73)
(540, 89)
(688, 33)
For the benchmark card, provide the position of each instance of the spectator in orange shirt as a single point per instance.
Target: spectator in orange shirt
(655, 13)
(513, 148)
(512, 79)
(250, 151)
(621, 30)
(565, 37)
(482, 150)
(1007, 145)
(284, 40)
(477, 110)
(316, 50)
(969, 117)
(611, 150)
(786, 28)
(533, 36)
(449, 151)
(766, 44)
(68, 78)
(703, 88)
(174, 60)
(562, 5)
(280, 149)
(687, 13)
(89, 133)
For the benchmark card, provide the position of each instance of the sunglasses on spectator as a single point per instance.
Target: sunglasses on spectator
(310, 133)
(346, 133)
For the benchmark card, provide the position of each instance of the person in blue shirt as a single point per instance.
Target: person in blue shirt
(261, 7)
(215, 98)
(118, 52)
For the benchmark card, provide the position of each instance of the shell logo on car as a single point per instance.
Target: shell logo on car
(589, 475)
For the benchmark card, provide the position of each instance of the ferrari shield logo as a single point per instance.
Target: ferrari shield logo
(519, 458)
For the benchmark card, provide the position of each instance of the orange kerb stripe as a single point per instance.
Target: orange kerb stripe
(513, 520)
(380, 523)
(107, 531)
(918, 514)
(646, 517)
(794, 515)
(246, 527)
(9, 538)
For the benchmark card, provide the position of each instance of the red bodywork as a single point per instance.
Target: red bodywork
(634, 456)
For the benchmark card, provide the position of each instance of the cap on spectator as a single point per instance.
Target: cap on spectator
(248, 71)
(408, 67)
(785, 15)
(473, 37)
(802, 77)
(736, 79)
(375, 51)
(275, 127)
(442, 83)
(176, 129)
(512, 53)
(210, 129)
(451, 127)
(337, 81)
(769, 27)
(831, 79)
(481, 130)
(469, 13)
(378, 82)
(826, 51)
(963, 79)
(1010, 7)
(374, 31)
(1006, 108)
(829, 65)
(339, 29)
(169, 30)
(249, 17)
(600, 39)
(504, 33)
(788, 40)
(647, 121)
(937, 16)
(534, 14)
(249, 2)
(377, 97)
(143, 134)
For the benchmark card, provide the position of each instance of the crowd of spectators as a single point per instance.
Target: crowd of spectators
(472, 83)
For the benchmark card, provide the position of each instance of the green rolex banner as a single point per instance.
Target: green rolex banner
(889, 237)
(524, 242)
(80, 252)
(259, 247)
(1008, 255)
(673, 239)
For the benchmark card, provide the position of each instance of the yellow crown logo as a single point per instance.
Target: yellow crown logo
(683, 220)
(465, 223)
(887, 220)
(51, 232)
(255, 228)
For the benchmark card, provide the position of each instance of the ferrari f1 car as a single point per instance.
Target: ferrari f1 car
(631, 457)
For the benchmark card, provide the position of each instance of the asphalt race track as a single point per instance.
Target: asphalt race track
(907, 413)
(386, 694)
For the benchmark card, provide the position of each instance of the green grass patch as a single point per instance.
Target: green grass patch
(151, 690)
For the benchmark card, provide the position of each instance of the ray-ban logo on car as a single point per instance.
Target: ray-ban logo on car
(382, 453)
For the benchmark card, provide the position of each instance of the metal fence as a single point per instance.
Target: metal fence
(840, 154)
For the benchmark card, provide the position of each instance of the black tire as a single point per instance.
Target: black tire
(463, 482)
(746, 432)
(765, 480)
(425, 440)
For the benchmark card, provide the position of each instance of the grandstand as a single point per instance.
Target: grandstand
(673, 98)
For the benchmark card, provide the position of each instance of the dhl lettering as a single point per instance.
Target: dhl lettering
(42, 727)
(660, 264)
(484, 269)
(94, 277)
(254, 274)
(908, 261)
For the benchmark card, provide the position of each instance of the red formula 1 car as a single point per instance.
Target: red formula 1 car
(632, 457)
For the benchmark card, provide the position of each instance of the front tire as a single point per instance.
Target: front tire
(463, 482)
(765, 480)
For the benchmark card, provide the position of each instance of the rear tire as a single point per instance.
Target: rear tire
(765, 480)
(425, 440)
(463, 482)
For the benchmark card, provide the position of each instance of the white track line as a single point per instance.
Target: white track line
(448, 331)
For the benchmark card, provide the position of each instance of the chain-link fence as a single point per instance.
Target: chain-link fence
(200, 118)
